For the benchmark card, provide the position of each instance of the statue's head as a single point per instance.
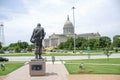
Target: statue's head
(38, 25)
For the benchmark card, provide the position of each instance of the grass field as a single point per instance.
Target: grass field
(10, 66)
(48, 54)
(98, 61)
(69, 53)
(94, 66)
(17, 54)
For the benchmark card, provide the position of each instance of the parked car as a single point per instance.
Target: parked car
(4, 59)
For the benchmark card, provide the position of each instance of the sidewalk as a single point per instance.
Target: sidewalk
(94, 77)
(55, 71)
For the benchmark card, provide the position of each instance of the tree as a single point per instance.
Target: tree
(17, 49)
(1, 50)
(13, 44)
(84, 45)
(5, 48)
(61, 45)
(0, 45)
(80, 41)
(30, 47)
(68, 43)
(104, 42)
(107, 53)
(70, 46)
(11, 48)
(92, 43)
(96, 45)
(23, 45)
(18, 46)
(116, 41)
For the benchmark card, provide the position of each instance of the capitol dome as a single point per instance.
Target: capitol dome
(68, 27)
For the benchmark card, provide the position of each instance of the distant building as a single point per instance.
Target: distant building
(68, 31)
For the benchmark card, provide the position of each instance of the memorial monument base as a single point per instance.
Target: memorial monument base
(37, 67)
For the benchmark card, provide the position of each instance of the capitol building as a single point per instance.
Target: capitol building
(68, 31)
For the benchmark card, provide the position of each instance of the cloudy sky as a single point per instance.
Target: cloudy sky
(21, 16)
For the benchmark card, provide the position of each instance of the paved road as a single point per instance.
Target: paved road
(28, 58)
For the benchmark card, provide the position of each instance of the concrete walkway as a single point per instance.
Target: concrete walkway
(94, 77)
(53, 72)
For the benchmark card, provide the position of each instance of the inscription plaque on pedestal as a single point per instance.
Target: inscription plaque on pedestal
(37, 68)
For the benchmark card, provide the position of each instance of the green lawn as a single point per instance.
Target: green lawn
(97, 66)
(68, 54)
(10, 66)
(17, 54)
(49, 54)
(98, 61)
(92, 52)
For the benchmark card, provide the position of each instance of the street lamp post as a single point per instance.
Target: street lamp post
(74, 29)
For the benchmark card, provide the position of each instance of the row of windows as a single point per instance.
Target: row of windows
(68, 31)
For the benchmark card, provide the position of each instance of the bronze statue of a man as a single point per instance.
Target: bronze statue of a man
(36, 38)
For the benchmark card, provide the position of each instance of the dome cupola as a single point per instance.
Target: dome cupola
(68, 27)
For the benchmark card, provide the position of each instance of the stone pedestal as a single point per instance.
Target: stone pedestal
(37, 67)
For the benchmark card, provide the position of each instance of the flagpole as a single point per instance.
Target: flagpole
(74, 29)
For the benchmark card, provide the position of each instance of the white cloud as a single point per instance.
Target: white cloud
(90, 16)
